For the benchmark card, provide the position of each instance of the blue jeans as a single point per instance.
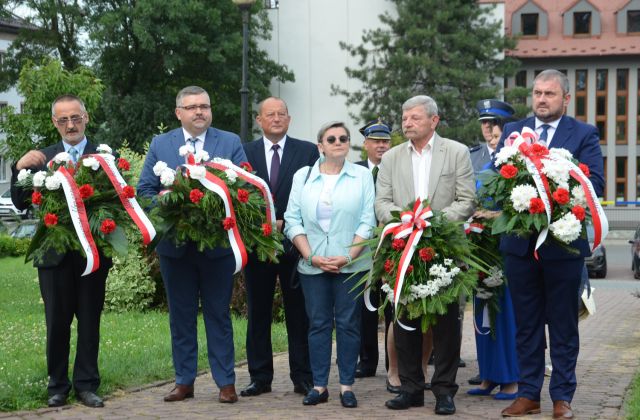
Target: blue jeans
(328, 297)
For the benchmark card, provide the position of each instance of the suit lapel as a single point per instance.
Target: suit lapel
(563, 133)
(177, 141)
(406, 173)
(260, 159)
(438, 156)
(288, 156)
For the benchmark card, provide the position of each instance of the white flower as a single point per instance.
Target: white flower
(567, 228)
(521, 196)
(448, 261)
(167, 176)
(201, 156)
(562, 153)
(186, 149)
(578, 197)
(38, 178)
(52, 182)
(557, 170)
(495, 277)
(505, 154)
(103, 148)
(197, 172)
(225, 162)
(231, 175)
(91, 162)
(24, 174)
(159, 167)
(388, 290)
(62, 157)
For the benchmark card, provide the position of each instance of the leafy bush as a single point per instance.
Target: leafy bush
(11, 247)
(130, 286)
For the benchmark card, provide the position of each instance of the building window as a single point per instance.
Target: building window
(633, 21)
(582, 23)
(3, 106)
(271, 4)
(529, 24)
(601, 104)
(22, 107)
(521, 78)
(622, 95)
(621, 178)
(581, 95)
(3, 169)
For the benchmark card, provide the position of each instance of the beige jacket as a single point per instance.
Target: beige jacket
(451, 180)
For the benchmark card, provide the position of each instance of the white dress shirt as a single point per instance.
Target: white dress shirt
(268, 151)
(421, 163)
(199, 144)
(553, 125)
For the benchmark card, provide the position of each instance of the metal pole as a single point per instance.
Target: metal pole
(244, 90)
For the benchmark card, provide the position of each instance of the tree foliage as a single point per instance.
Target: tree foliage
(448, 50)
(40, 85)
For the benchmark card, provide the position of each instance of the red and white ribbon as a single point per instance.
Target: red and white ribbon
(130, 204)
(471, 226)
(80, 220)
(219, 187)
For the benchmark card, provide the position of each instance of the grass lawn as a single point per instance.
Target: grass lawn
(632, 401)
(135, 348)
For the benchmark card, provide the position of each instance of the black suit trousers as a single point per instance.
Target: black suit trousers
(260, 280)
(446, 349)
(66, 294)
(369, 332)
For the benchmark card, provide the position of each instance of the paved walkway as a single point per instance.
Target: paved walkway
(609, 357)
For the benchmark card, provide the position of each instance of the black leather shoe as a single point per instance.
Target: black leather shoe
(476, 380)
(362, 372)
(445, 405)
(461, 363)
(90, 399)
(255, 388)
(315, 398)
(302, 388)
(348, 399)
(393, 388)
(57, 400)
(405, 400)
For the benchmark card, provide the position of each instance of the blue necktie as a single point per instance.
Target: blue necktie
(544, 135)
(275, 167)
(73, 152)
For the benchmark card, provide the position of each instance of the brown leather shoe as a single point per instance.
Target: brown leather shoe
(228, 394)
(562, 410)
(179, 393)
(521, 407)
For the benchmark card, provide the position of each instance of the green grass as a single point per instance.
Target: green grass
(632, 400)
(135, 348)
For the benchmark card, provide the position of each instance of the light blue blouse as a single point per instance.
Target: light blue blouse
(353, 214)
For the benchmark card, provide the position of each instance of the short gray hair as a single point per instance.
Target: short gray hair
(67, 97)
(425, 101)
(189, 90)
(551, 74)
(332, 124)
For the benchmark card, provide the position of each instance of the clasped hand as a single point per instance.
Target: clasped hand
(329, 264)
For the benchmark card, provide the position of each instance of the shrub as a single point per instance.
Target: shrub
(11, 247)
(130, 285)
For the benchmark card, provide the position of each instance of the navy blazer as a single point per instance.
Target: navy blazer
(165, 147)
(583, 141)
(295, 155)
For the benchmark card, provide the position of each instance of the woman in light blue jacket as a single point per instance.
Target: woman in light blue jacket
(330, 211)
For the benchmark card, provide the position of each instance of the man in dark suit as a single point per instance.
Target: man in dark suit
(64, 292)
(377, 140)
(191, 276)
(545, 290)
(276, 157)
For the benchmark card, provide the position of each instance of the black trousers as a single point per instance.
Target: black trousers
(369, 333)
(260, 280)
(66, 294)
(446, 349)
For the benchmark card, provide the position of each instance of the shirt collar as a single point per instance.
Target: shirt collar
(79, 147)
(428, 146)
(553, 124)
(268, 143)
(188, 136)
(371, 165)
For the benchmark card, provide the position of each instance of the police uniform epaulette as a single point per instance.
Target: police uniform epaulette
(475, 148)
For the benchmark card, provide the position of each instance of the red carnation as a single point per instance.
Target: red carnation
(36, 198)
(246, 166)
(409, 269)
(538, 150)
(561, 196)
(107, 226)
(579, 212)
(508, 171)
(585, 169)
(398, 244)
(129, 191)
(71, 168)
(389, 266)
(196, 195)
(536, 206)
(243, 195)
(123, 164)
(267, 229)
(50, 219)
(228, 223)
(426, 254)
(86, 191)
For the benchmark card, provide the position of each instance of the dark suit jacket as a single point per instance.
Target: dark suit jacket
(583, 141)
(165, 147)
(20, 198)
(295, 155)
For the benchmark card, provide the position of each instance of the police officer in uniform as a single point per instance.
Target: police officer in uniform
(490, 111)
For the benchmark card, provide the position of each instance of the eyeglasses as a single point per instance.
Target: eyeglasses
(332, 139)
(203, 107)
(75, 119)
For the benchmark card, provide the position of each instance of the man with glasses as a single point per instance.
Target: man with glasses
(192, 277)
(64, 292)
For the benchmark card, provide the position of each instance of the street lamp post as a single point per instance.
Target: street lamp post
(244, 6)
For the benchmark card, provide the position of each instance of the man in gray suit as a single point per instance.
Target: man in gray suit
(427, 166)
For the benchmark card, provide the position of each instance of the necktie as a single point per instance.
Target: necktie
(374, 172)
(544, 135)
(73, 152)
(192, 142)
(275, 167)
